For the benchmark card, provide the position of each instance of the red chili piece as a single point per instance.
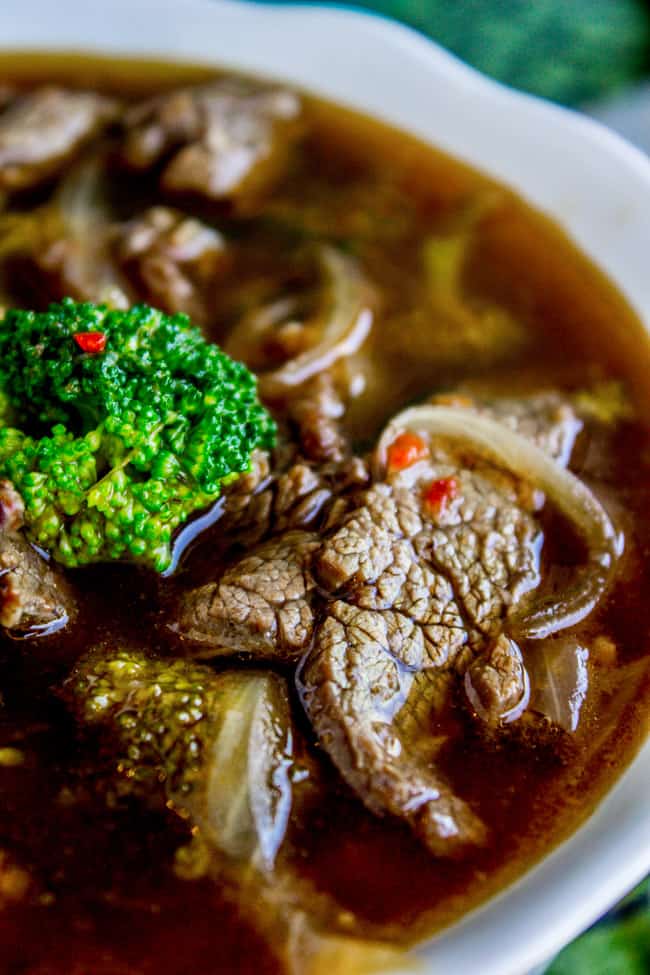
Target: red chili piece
(405, 450)
(439, 493)
(91, 342)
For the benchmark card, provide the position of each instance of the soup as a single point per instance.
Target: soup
(291, 682)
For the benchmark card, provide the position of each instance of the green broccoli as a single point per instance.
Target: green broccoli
(157, 715)
(115, 426)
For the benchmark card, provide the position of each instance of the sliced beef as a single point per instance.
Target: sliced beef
(259, 504)
(34, 597)
(421, 590)
(303, 485)
(354, 688)
(401, 611)
(298, 494)
(295, 498)
(372, 560)
(40, 131)
(261, 605)
(224, 140)
(316, 410)
(483, 546)
(403, 592)
(79, 267)
(497, 684)
(173, 259)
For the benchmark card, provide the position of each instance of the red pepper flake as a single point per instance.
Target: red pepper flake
(439, 493)
(91, 342)
(406, 450)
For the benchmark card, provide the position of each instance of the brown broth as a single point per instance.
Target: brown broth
(103, 897)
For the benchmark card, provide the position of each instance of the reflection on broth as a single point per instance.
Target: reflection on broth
(299, 698)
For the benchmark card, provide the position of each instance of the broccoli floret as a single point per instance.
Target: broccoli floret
(157, 716)
(123, 424)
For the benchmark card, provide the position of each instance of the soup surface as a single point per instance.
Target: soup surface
(411, 675)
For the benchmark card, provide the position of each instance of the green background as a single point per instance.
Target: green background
(572, 51)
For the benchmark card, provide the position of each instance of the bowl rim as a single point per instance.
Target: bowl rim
(581, 174)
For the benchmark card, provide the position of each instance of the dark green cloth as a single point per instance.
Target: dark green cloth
(572, 51)
(618, 945)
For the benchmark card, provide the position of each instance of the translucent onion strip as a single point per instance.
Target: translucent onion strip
(245, 805)
(518, 455)
(342, 324)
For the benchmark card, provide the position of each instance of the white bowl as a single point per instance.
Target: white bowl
(592, 182)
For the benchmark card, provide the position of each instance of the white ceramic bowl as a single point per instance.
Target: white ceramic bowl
(594, 184)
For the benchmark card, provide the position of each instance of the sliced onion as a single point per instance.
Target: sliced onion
(81, 198)
(245, 805)
(78, 215)
(342, 325)
(518, 455)
(85, 219)
(76, 209)
(347, 320)
(560, 676)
